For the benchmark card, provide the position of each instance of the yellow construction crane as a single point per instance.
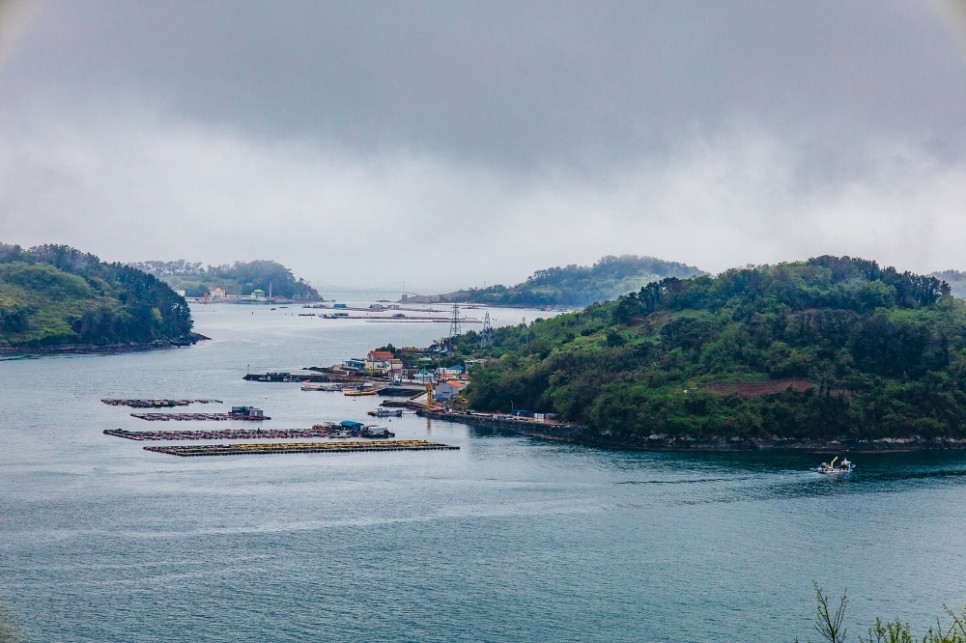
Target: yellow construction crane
(429, 396)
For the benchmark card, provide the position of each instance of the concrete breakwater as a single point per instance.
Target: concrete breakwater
(523, 426)
(354, 446)
(315, 374)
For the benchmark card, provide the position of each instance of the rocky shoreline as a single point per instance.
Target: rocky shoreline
(586, 437)
(106, 349)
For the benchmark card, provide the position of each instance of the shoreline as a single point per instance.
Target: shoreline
(105, 349)
(583, 436)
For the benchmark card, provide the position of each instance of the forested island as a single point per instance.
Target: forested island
(269, 278)
(572, 285)
(829, 349)
(55, 298)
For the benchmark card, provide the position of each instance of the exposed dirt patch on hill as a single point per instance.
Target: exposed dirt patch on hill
(757, 389)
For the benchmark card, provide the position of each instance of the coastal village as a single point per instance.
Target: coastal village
(410, 379)
(430, 382)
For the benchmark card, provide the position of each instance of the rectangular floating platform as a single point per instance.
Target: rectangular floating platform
(156, 403)
(355, 446)
(206, 417)
(226, 434)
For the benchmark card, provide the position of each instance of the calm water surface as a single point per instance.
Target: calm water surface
(508, 539)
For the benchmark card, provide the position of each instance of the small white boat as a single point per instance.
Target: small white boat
(845, 466)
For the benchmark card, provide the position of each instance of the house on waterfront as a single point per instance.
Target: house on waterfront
(448, 389)
(380, 355)
(383, 363)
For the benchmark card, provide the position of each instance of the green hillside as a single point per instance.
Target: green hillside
(571, 285)
(55, 296)
(239, 278)
(826, 348)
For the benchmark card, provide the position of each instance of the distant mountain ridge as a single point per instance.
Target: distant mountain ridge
(571, 285)
(56, 298)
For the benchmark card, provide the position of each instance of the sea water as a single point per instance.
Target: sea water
(507, 539)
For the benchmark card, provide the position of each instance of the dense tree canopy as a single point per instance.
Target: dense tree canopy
(55, 295)
(822, 348)
(573, 285)
(239, 278)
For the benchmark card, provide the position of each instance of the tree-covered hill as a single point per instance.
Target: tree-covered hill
(57, 297)
(828, 348)
(239, 278)
(571, 285)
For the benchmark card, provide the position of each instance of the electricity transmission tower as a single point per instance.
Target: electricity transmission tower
(486, 335)
(454, 326)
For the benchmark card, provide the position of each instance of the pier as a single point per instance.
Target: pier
(354, 446)
(313, 375)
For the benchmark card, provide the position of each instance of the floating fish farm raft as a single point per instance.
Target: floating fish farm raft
(209, 417)
(249, 413)
(355, 446)
(227, 434)
(156, 403)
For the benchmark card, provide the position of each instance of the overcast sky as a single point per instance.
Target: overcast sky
(450, 144)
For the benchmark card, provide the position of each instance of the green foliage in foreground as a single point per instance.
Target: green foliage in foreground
(831, 626)
(239, 278)
(573, 285)
(56, 295)
(826, 348)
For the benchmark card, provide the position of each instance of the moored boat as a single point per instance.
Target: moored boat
(357, 392)
(323, 387)
(382, 412)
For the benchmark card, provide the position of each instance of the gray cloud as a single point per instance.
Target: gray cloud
(485, 139)
(518, 84)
